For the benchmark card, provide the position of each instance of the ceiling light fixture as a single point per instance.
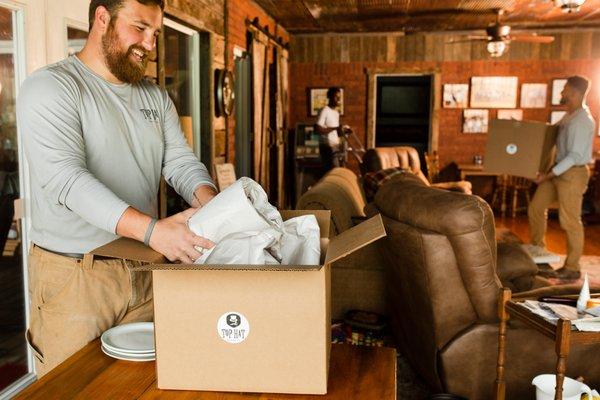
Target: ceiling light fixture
(569, 6)
(497, 47)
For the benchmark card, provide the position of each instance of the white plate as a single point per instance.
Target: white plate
(129, 353)
(138, 358)
(135, 338)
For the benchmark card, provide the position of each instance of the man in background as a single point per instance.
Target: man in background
(567, 181)
(328, 127)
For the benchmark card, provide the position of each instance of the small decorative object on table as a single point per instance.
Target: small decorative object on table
(360, 328)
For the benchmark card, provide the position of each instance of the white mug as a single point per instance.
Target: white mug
(545, 386)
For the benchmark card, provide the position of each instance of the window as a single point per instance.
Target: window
(14, 358)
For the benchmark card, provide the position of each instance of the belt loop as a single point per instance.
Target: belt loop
(88, 261)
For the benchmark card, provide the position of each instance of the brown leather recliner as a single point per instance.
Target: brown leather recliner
(442, 290)
(406, 157)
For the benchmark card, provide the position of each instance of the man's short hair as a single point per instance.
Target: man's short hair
(579, 83)
(332, 91)
(113, 7)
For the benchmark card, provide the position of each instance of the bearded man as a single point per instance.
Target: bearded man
(97, 137)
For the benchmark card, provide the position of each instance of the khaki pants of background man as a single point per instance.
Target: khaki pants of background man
(74, 301)
(568, 189)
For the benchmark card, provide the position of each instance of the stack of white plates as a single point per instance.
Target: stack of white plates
(131, 342)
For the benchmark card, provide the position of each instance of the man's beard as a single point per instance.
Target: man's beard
(118, 62)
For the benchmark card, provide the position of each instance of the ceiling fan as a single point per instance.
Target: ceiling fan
(498, 37)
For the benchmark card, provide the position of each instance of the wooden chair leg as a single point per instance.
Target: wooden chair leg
(495, 195)
(514, 202)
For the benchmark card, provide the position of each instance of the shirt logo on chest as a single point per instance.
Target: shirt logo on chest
(150, 114)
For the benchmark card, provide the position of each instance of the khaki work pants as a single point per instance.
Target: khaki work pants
(74, 301)
(568, 189)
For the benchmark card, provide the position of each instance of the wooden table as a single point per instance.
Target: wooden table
(501, 182)
(356, 372)
(561, 333)
(473, 170)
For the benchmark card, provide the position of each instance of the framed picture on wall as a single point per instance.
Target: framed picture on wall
(556, 116)
(317, 99)
(494, 91)
(557, 87)
(516, 115)
(456, 95)
(475, 121)
(533, 95)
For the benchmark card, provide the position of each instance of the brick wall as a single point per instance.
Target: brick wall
(348, 64)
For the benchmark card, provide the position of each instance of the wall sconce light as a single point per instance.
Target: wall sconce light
(497, 47)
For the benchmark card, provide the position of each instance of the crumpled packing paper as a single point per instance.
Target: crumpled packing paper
(246, 229)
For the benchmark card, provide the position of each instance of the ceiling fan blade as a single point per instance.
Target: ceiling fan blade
(478, 37)
(532, 38)
(466, 40)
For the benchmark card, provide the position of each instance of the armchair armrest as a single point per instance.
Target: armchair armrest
(459, 186)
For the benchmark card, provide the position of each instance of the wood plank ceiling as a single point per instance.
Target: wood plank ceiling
(321, 16)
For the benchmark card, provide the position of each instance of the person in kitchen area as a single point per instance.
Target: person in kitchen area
(98, 137)
(329, 129)
(567, 181)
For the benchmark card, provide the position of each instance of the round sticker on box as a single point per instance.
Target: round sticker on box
(233, 327)
(512, 149)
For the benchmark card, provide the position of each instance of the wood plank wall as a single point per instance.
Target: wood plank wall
(206, 15)
(433, 47)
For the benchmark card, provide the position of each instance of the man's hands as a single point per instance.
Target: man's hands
(541, 177)
(172, 238)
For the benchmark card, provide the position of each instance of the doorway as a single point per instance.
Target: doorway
(182, 81)
(403, 112)
(243, 115)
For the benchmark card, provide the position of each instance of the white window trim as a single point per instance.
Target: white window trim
(179, 27)
(194, 77)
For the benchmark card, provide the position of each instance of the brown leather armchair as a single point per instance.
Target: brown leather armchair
(357, 281)
(442, 291)
(406, 157)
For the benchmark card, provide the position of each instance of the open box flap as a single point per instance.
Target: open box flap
(225, 267)
(129, 249)
(355, 238)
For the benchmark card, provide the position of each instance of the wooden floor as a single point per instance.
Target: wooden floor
(555, 236)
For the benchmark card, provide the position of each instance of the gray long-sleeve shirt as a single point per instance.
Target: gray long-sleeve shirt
(574, 143)
(95, 148)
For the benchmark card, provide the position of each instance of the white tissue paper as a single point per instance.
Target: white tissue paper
(246, 229)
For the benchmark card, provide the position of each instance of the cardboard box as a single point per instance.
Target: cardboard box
(245, 328)
(519, 148)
